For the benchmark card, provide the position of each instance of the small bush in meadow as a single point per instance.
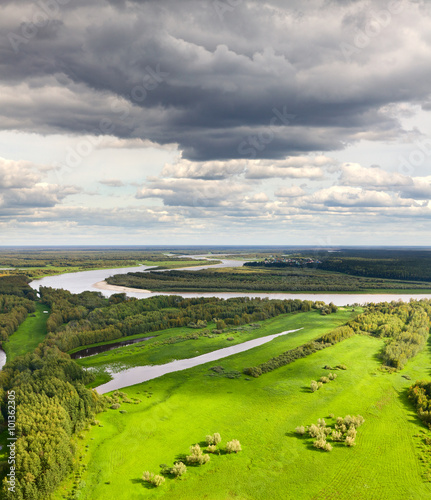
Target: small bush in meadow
(319, 385)
(233, 446)
(352, 432)
(196, 456)
(213, 439)
(153, 479)
(212, 448)
(314, 386)
(350, 441)
(322, 444)
(324, 380)
(179, 469)
(336, 436)
(300, 430)
(321, 422)
(313, 430)
(115, 406)
(341, 367)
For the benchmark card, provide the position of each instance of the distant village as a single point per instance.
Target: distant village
(284, 261)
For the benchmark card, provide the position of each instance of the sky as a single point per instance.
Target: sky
(166, 122)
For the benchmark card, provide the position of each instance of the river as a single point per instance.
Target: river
(138, 374)
(95, 281)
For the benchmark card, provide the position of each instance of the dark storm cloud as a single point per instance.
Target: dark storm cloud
(252, 81)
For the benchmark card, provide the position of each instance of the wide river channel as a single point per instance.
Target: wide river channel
(95, 281)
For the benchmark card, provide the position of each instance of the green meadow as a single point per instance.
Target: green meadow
(29, 334)
(153, 352)
(173, 412)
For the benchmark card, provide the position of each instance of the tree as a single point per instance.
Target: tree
(179, 469)
(233, 446)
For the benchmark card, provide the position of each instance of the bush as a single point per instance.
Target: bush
(321, 422)
(300, 430)
(336, 436)
(153, 479)
(214, 439)
(212, 448)
(324, 380)
(314, 386)
(178, 469)
(341, 367)
(332, 376)
(196, 456)
(350, 441)
(233, 446)
(115, 406)
(322, 444)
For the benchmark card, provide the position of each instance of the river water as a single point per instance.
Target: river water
(140, 374)
(94, 281)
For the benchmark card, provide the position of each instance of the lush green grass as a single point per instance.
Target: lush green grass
(146, 353)
(179, 409)
(29, 334)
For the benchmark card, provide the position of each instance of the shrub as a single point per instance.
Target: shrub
(336, 436)
(327, 431)
(179, 469)
(300, 430)
(196, 456)
(324, 380)
(332, 376)
(350, 441)
(358, 421)
(351, 433)
(341, 367)
(115, 406)
(313, 430)
(322, 444)
(233, 446)
(214, 439)
(154, 479)
(212, 448)
(314, 386)
(319, 385)
(321, 422)
(327, 447)
(158, 480)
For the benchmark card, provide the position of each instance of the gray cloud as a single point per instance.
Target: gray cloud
(178, 72)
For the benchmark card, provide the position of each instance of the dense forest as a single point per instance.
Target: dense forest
(265, 280)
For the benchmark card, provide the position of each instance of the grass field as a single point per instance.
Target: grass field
(178, 410)
(146, 353)
(29, 334)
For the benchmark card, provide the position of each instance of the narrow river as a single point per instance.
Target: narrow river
(140, 374)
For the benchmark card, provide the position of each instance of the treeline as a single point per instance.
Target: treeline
(88, 318)
(405, 328)
(17, 285)
(13, 311)
(412, 265)
(52, 403)
(287, 357)
(265, 280)
(420, 395)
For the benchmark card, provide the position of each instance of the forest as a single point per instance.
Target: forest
(264, 280)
